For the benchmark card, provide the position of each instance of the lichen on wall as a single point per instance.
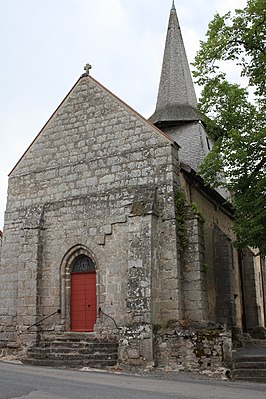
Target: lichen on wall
(193, 347)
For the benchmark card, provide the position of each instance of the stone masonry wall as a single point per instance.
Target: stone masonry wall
(223, 279)
(219, 257)
(1, 238)
(192, 347)
(250, 291)
(193, 141)
(194, 282)
(76, 186)
(263, 276)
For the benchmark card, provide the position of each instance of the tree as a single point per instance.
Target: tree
(236, 123)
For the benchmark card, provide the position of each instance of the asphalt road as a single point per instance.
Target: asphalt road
(26, 382)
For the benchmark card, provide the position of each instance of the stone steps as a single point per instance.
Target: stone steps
(74, 351)
(90, 346)
(70, 363)
(250, 364)
(253, 364)
(257, 343)
(66, 352)
(249, 374)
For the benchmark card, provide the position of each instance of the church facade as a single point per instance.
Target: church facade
(110, 232)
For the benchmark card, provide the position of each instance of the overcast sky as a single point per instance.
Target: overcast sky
(46, 43)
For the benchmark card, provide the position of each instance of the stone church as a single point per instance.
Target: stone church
(111, 237)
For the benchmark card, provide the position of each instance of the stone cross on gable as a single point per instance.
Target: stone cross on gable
(87, 69)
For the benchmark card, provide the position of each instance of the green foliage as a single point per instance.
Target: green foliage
(197, 212)
(238, 158)
(239, 38)
(184, 212)
(205, 267)
(181, 218)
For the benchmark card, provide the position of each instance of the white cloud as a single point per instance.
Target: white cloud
(102, 17)
(224, 5)
(47, 43)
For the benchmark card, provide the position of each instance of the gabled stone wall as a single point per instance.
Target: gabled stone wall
(101, 178)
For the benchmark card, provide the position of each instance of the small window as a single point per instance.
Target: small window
(82, 264)
(208, 144)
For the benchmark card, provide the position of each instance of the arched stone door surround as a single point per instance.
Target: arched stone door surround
(65, 278)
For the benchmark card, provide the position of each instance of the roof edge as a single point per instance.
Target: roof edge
(180, 113)
(210, 193)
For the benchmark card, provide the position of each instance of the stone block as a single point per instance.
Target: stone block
(133, 353)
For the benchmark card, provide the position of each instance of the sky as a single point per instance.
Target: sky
(46, 43)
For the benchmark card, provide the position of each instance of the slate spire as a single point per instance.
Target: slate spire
(176, 101)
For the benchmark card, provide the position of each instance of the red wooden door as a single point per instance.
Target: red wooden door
(83, 301)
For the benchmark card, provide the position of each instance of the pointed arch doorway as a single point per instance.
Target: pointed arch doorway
(83, 304)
